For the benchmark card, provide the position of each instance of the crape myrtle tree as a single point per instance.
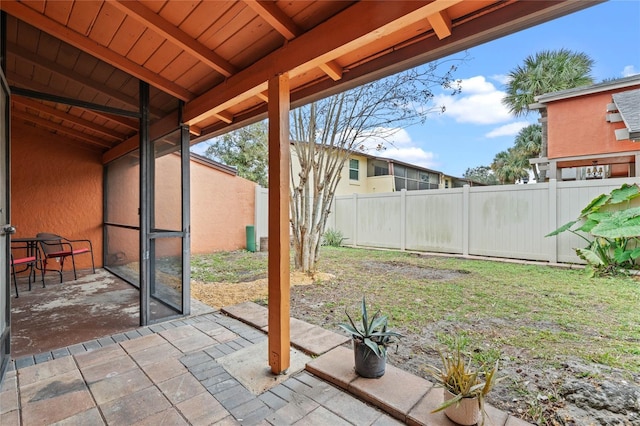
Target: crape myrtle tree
(325, 133)
(545, 72)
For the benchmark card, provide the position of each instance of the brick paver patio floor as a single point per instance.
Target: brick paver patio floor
(170, 374)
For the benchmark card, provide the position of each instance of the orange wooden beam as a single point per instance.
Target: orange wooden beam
(441, 23)
(279, 280)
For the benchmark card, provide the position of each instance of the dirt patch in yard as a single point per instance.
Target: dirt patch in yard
(218, 295)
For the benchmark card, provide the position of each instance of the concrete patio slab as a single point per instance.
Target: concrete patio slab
(249, 367)
(250, 313)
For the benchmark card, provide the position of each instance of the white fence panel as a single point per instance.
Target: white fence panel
(342, 218)
(434, 220)
(509, 221)
(497, 221)
(573, 196)
(378, 220)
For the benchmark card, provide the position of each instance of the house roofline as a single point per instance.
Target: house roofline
(621, 83)
(213, 164)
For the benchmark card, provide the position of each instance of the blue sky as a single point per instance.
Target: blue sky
(476, 126)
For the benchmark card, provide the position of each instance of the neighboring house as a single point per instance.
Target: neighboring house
(365, 174)
(593, 132)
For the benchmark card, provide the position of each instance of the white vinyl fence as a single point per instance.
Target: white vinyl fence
(508, 221)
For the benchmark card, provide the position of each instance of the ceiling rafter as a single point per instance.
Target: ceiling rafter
(74, 76)
(61, 129)
(164, 28)
(270, 12)
(275, 17)
(326, 41)
(65, 116)
(80, 41)
(441, 23)
(225, 116)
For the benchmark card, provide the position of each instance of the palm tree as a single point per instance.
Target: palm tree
(528, 144)
(509, 166)
(546, 72)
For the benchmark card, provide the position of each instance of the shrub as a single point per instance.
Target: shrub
(332, 237)
(616, 232)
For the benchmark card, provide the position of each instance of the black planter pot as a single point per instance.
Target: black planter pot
(368, 364)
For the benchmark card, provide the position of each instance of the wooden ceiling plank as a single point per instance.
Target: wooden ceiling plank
(175, 35)
(106, 24)
(270, 12)
(314, 48)
(441, 24)
(78, 40)
(176, 12)
(163, 56)
(332, 69)
(63, 115)
(214, 35)
(83, 15)
(72, 75)
(59, 128)
(129, 33)
(59, 10)
(203, 17)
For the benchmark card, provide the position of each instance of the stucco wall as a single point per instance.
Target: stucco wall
(222, 205)
(55, 187)
(578, 126)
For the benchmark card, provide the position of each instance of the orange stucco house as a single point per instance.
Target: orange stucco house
(593, 132)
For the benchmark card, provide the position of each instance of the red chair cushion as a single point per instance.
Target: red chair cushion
(23, 260)
(67, 252)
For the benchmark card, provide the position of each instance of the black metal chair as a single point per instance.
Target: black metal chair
(30, 264)
(56, 247)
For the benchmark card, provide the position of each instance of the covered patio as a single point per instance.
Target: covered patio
(101, 101)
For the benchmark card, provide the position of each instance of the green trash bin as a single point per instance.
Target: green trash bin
(251, 238)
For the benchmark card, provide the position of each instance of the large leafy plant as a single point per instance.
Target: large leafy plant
(615, 232)
(373, 331)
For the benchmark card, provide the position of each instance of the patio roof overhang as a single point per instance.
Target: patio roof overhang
(217, 57)
(74, 68)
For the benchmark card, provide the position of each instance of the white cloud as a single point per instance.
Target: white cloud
(500, 78)
(412, 155)
(479, 103)
(629, 70)
(510, 129)
(399, 146)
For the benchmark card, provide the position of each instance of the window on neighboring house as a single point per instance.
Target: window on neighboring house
(354, 169)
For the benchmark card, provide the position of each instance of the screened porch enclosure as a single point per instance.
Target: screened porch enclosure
(167, 249)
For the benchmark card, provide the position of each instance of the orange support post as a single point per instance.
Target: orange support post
(279, 285)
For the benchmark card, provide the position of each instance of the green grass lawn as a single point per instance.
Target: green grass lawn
(545, 312)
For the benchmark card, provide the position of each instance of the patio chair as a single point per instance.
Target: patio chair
(30, 264)
(55, 247)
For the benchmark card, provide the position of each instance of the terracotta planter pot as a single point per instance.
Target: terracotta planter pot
(368, 364)
(466, 412)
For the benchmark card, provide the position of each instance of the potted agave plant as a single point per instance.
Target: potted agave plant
(464, 387)
(370, 339)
